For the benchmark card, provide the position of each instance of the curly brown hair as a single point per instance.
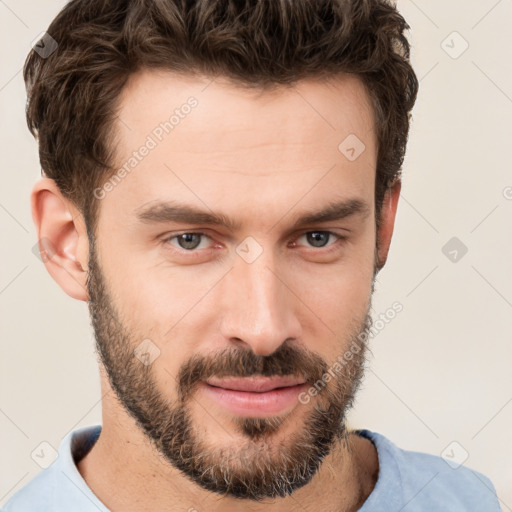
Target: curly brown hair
(73, 93)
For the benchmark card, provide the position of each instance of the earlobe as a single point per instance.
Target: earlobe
(62, 238)
(387, 223)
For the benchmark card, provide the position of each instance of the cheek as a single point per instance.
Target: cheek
(336, 301)
(150, 293)
(163, 304)
(340, 307)
(340, 290)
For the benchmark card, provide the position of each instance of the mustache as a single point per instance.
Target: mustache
(287, 360)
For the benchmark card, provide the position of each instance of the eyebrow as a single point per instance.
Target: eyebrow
(162, 212)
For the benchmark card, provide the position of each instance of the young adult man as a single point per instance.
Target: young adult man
(220, 185)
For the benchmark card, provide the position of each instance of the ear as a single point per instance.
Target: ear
(62, 238)
(388, 213)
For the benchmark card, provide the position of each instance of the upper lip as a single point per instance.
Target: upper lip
(254, 384)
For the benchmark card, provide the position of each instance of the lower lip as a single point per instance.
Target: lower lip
(251, 404)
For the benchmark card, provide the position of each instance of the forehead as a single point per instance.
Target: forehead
(223, 108)
(213, 142)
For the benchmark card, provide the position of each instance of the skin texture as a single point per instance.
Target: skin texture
(261, 159)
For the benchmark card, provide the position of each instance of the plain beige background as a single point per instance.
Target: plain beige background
(440, 380)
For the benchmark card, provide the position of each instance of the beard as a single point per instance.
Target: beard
(263, 465)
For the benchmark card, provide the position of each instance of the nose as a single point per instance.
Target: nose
(258, 307)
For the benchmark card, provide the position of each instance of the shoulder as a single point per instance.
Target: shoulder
(36, 495)
(60, 486)
(421, 481)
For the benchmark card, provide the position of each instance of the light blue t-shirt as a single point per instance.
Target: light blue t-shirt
(407, 482)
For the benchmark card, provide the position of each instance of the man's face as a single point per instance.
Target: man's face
(213, 339)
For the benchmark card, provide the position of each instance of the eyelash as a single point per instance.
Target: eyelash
(327, 249)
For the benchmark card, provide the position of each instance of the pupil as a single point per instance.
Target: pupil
(315, 238)
(186, 240)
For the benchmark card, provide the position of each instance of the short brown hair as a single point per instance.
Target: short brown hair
(73, 93)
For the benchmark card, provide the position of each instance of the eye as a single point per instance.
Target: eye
(194, 241)
(187, 241)
(320, 239)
